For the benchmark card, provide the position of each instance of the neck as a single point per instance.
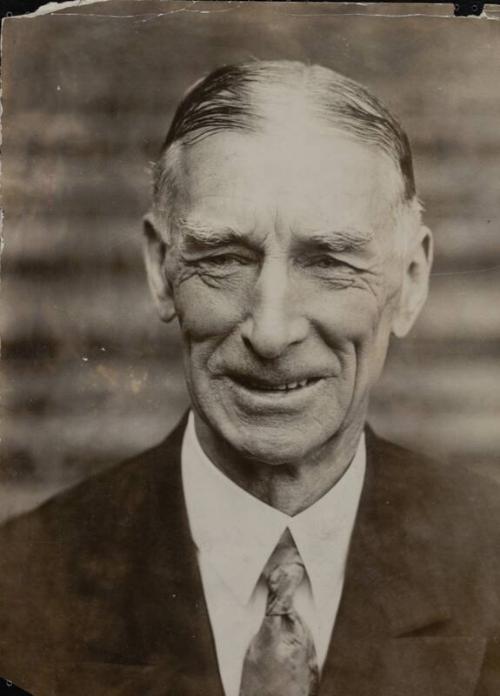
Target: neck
(289, 488)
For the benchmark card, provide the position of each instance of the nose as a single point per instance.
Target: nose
(274, 322)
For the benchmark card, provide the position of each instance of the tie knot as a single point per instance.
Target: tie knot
(284, 572)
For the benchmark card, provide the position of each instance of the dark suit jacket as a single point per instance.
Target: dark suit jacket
(100, 591)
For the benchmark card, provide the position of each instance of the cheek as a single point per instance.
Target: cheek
(349, 317)
(205, 312)
(356, 325)
(370, 328)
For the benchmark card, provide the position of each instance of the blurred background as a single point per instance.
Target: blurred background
(89, 374)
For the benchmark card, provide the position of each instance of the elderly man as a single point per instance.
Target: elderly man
(272, 545)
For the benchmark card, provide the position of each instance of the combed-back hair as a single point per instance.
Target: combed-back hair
(237, 97)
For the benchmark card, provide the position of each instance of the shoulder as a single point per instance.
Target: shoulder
(107, 515)
(78, 551)
(441, 488)
(96, 501)
(449, 512)
(110, 497)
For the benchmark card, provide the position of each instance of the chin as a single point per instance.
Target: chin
(271, 431)
(275, 444)
(273, 453)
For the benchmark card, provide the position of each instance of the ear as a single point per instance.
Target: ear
(415, 286)
(155, 251)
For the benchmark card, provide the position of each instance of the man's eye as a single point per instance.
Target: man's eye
(327, 262)
(222, 260)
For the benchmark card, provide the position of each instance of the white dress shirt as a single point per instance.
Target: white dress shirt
(235, 533)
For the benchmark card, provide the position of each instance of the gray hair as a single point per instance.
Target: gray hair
(234, 97)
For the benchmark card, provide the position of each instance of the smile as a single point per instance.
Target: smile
(291, 386)
(267, 387)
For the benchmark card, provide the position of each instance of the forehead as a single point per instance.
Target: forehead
(302, 179)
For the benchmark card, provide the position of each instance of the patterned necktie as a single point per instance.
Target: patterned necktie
(281, 658)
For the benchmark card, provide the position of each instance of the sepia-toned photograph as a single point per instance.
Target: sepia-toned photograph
(250, 370)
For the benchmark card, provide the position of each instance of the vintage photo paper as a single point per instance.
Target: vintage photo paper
(250, 350)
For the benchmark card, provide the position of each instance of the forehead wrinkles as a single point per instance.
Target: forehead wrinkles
(214, 192)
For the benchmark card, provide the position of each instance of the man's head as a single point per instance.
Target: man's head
(286, 236)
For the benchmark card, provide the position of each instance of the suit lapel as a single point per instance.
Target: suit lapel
(387, 637)
(180, 615)
(172, 632)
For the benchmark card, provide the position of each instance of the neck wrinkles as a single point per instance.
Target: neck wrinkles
(289, 488)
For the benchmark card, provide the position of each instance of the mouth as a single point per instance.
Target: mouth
(269, 387)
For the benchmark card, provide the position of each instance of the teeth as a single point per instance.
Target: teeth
(284, 387)
(292, 385)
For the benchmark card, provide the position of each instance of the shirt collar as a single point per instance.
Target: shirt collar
(236, 532)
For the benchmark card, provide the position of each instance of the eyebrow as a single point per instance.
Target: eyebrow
(338, 241)
(198, 234)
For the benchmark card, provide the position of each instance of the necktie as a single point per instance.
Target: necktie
(281, 658)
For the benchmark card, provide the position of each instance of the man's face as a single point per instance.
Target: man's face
(285, 271)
